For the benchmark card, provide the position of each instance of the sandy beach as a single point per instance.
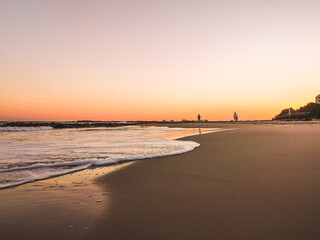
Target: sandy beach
(159, 120)
(260, 181)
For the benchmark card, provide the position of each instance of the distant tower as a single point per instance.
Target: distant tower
(318, 99)
(235, 116)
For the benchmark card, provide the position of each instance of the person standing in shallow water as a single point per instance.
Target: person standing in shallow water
(199, 118)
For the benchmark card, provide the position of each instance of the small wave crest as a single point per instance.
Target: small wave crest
(40, 171)
(24, 129)
(31, 175)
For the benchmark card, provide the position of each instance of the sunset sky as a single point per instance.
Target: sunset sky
(155, 60)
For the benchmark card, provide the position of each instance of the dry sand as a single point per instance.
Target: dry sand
(257, 182)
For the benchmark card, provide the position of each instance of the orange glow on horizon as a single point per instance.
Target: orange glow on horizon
(64, 112)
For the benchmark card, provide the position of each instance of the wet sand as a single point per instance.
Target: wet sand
(256, 182)
(63, 207)
(259, 182)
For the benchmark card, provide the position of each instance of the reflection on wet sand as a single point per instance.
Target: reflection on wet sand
(187, 132)
(69, 203)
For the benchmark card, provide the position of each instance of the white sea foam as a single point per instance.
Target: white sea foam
(24, 129)
(27, 156)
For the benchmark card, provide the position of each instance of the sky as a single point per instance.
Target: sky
(156, 60)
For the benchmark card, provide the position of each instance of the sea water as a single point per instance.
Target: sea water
(33, 153)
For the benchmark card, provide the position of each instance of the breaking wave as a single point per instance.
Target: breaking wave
(30, 155)
(24, 129)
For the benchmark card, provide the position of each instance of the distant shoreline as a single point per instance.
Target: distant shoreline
(95, 124)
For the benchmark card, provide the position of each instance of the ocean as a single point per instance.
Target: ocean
(28, 154)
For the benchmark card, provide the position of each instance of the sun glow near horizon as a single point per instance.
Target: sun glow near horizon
(151, 60)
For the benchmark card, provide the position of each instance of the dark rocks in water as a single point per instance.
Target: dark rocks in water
(86, 125)
(78, 124)
(25, 124)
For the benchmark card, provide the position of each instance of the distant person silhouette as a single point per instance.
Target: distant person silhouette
(199, 118)
(235, 116)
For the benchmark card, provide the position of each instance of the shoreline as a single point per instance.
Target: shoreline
(190, 189)
(170, 136)
(98, 124)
